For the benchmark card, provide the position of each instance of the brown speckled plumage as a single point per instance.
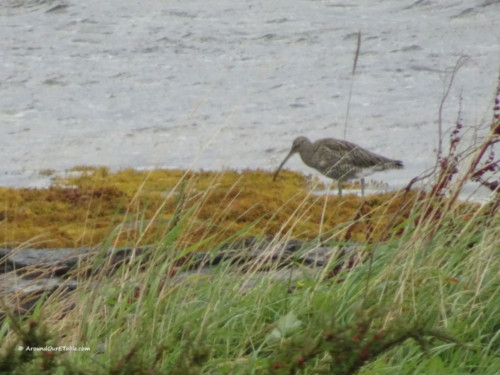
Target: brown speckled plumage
(339, 160)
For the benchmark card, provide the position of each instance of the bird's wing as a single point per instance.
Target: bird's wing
(335, 151)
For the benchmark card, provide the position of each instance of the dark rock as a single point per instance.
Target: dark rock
(58, 261)
(27, 275)
(5, 266)
(12, 283)
(23, 293)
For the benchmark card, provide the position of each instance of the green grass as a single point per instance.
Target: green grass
(426, 301)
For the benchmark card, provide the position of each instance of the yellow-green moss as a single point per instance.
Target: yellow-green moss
(83, 208)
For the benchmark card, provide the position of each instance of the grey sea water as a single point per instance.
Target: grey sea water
(230, 84)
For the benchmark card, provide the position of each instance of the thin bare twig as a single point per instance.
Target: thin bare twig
(353, 73)
(460, 62)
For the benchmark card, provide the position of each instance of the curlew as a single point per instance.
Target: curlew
(339, 160)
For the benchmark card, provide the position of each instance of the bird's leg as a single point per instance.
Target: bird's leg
(362, 186)
(339, 186)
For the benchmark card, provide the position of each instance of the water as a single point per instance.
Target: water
(230, 84)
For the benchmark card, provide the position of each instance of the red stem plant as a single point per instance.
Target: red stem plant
(478, 164)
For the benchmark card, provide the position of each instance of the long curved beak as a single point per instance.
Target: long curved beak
(282, 164)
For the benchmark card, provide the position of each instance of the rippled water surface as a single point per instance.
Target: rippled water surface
(230, 84)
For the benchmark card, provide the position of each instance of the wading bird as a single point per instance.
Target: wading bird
(339, 160)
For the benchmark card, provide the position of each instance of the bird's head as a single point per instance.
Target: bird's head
(298, 144)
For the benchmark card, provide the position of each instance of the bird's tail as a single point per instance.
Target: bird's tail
(394, 164)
